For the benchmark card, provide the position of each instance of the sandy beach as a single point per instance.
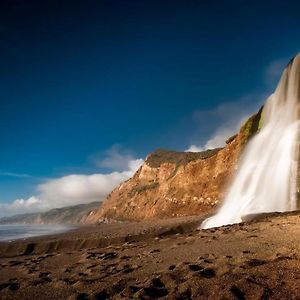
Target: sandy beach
(168, 259)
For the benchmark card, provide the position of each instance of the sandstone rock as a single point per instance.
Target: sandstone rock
(177, 183)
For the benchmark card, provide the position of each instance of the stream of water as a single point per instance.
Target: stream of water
(267, 174)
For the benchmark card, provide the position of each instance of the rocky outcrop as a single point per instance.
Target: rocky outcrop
(177, 183)
(67, 215)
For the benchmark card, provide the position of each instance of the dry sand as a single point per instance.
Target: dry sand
(170, 259)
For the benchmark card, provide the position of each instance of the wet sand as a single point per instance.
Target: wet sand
(168, 259)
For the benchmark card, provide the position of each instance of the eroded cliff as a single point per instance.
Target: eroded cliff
(177, 183)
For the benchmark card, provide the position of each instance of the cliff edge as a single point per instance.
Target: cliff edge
(171, 184)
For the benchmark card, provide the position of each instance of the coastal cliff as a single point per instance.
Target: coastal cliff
(171, 184)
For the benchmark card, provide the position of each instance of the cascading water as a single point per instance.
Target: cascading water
(266, 179)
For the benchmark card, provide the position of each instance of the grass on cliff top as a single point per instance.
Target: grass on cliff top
(160, 156)
(251, 126)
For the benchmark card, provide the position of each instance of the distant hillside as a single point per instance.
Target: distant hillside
(66, 215)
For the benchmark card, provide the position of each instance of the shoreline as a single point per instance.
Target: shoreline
(168, 259)
(33, 230)
(98, 235)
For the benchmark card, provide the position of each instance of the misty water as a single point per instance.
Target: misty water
(267, 173)
(21, 231)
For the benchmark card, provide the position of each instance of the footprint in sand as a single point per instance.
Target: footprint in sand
(128, 268)
(67, 270)
(82, 296)
(13, 286)
(103, 256)
(69, 281)
(207, 256)
(255, 262)
(44, 274)
(208, 273)
(186, 295)
(195, 268)
(157, 289)
(239, 294)
(41, 280)
(132, 289)
(247, 252)
(125, 257)
(280, 256)
(32, 271)
(103, 295)
(109, 255)
(155, 251)
(91, 266)
(14, 263)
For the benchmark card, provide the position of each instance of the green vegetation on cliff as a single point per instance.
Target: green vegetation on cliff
(251, 126)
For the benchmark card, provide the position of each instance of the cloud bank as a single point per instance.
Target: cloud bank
(75, 188)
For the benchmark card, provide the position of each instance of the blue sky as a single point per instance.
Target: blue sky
(89, 87)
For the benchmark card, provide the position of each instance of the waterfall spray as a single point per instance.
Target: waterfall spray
(267, 177)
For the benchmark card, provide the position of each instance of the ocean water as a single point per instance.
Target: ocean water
(21, 231)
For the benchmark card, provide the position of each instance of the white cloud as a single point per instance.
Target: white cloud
(227, 118)
(116, 158)
(194, 148)
(21, 206)
(217, 140)
(72, 189)
(16, 175)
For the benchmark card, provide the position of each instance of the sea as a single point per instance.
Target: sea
(21, 231)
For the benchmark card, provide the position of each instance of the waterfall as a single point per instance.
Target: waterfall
(267, 175)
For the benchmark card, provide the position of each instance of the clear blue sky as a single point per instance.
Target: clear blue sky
(78, 77)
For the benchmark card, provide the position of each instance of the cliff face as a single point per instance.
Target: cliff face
(67, 215)
(177, 183)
